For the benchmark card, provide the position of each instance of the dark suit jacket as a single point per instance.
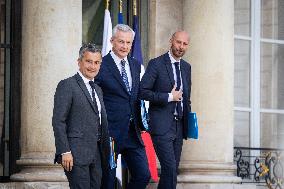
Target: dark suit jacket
(121, 107)
(156, 83)
(75, 122)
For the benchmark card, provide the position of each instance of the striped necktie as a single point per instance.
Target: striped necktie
(124, 75)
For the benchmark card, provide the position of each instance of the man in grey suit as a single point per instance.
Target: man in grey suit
(80, 123)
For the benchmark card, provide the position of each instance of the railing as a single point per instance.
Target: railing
(263, 166)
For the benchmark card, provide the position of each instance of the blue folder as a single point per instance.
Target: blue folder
(144, 115)
(112, 157)
(192, 126)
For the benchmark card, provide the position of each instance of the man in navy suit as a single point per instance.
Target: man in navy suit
(119, 78)
(80, 123)
(166, 84)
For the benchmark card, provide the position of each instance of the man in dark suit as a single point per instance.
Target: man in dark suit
(119, 78)
(80, 123)
(167, 84)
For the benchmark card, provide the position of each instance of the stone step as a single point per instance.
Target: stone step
(64, 185)
(208, 186)
(34, 185)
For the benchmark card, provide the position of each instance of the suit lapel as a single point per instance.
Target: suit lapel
(169, 68)
(183, 76)
(114, 70)
(132, 70)
(85, 91)
(100, 96)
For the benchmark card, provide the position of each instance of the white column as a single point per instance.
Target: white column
(211, 54)
(165, 17)
(51, 38)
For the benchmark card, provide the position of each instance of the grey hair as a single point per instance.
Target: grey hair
(123, 28)
(90, 47)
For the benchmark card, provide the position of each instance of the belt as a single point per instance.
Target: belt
(177, 118)
(131, 118)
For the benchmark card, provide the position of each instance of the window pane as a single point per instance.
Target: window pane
(272, 130)
(1, 108)
(93, 21)
(272, 76)
(242, 73)
(2, 14)
(242, 17)
(2, 20)
(272, 19)
(241, 130)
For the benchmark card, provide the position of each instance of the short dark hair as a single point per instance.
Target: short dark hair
(90, 47)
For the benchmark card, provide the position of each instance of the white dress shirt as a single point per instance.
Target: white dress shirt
(117, 61)
(86, 81)
(175, 75)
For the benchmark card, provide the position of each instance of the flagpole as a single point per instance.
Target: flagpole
(107, 4)
(120, 6)
(134, 8)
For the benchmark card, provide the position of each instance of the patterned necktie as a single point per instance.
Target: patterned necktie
(178, 107)
(92, 84)
(124, 75)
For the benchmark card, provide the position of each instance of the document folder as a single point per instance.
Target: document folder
(192, 126)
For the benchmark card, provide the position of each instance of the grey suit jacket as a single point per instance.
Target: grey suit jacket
(75, 122)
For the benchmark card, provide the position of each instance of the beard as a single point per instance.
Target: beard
(178, 52)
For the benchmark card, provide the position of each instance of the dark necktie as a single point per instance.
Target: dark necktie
(92, 84)
(178, 107)
(124, 75)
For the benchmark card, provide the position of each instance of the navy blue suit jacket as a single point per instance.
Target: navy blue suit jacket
(156, 83)
(121, 107)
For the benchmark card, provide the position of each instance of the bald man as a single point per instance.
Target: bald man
(166, 84)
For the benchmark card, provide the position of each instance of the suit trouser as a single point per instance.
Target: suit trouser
(137, 163)
(168, 148)
(86, 176)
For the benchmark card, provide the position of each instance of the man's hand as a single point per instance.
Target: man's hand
(177, 95)
(67, 161)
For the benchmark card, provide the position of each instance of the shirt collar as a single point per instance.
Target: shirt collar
(116, 59)
(172, 58)
(84, 78)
